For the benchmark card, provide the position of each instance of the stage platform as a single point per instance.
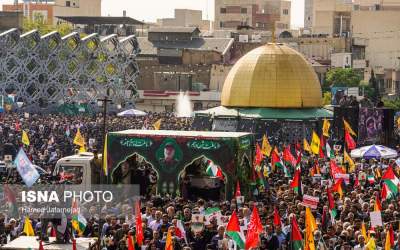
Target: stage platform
(26, 242)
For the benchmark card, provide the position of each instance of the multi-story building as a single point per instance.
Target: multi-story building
(186, 18)
(76, 8)
(49, 10)
(32, 10)
(259, 14)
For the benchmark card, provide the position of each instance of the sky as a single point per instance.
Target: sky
(150, 10)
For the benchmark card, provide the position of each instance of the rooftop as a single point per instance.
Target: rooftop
(100, 20)
(189, 30)
(220, 45)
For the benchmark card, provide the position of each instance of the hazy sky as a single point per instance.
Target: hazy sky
(150, 10)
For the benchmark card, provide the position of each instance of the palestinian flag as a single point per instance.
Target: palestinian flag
(276, 161)
(296, 182)
(386, 194)
(288, 157)
(295, 236)
(329, 151)
(214, 170)
(331, 204)
(78, 221)
(391, 180)
(233, 231)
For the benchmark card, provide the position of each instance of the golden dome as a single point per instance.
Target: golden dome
(273, 76)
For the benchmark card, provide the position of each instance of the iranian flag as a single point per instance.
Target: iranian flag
(233, 231)
(371, 179)
(295, 236)
(211, 213)
(214, 170)
(391, 181)
(180, 230)
(329, 151)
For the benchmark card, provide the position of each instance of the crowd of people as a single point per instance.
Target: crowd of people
(186, 224)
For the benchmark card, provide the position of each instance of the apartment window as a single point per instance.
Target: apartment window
(223, 10)
(221, 24)
(68, 3)
(285, 11)
(243, 10)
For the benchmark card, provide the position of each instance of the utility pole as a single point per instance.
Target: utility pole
(104, 101)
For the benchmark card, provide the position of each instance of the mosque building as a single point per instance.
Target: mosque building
(272, 90)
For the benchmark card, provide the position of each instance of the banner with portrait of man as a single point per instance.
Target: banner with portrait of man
(370, 126)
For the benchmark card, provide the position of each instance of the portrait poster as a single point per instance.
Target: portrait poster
(370, 126)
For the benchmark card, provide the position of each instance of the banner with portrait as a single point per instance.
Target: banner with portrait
(370, 124)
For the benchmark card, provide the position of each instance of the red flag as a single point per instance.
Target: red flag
(17, 126)
(237, 194)
(139, 229)
(378, 206)
(356, 182)
(277, 218)
(41, 245)
(74, 244)
(298, 161)
(384, 192)
(253, 230)
(351, 144)
(288, 157)
(53, 232)
(130, 242)
(324, 220)
(322, 146)
(259, 156)
(331, 201)
(298, 148)
(391, 234)
(295, 235)
(335, 169)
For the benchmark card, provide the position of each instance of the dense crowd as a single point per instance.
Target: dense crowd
(51, 136)
(166, 217)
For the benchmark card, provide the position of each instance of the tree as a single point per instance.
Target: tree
(340, 77)
(39, 23)
(327, 98)
(393, 104)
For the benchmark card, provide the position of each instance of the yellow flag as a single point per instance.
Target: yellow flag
(364, 232)
(79, 140)
(347, 158)
(157, 125)
(306, 146)
(371, 244)
(310, 219)
(82, 149)
(266, 147)
(25, 138)
(168, 241)
(387, 241)
(315, 143)
(28, 229)
(311, 226)
(348, 128)
(325, 127)
(105, 156)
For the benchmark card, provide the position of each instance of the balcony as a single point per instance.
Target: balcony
(359, 64)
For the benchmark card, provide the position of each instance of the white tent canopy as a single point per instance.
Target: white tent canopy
(374, 151)
(132, 112)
